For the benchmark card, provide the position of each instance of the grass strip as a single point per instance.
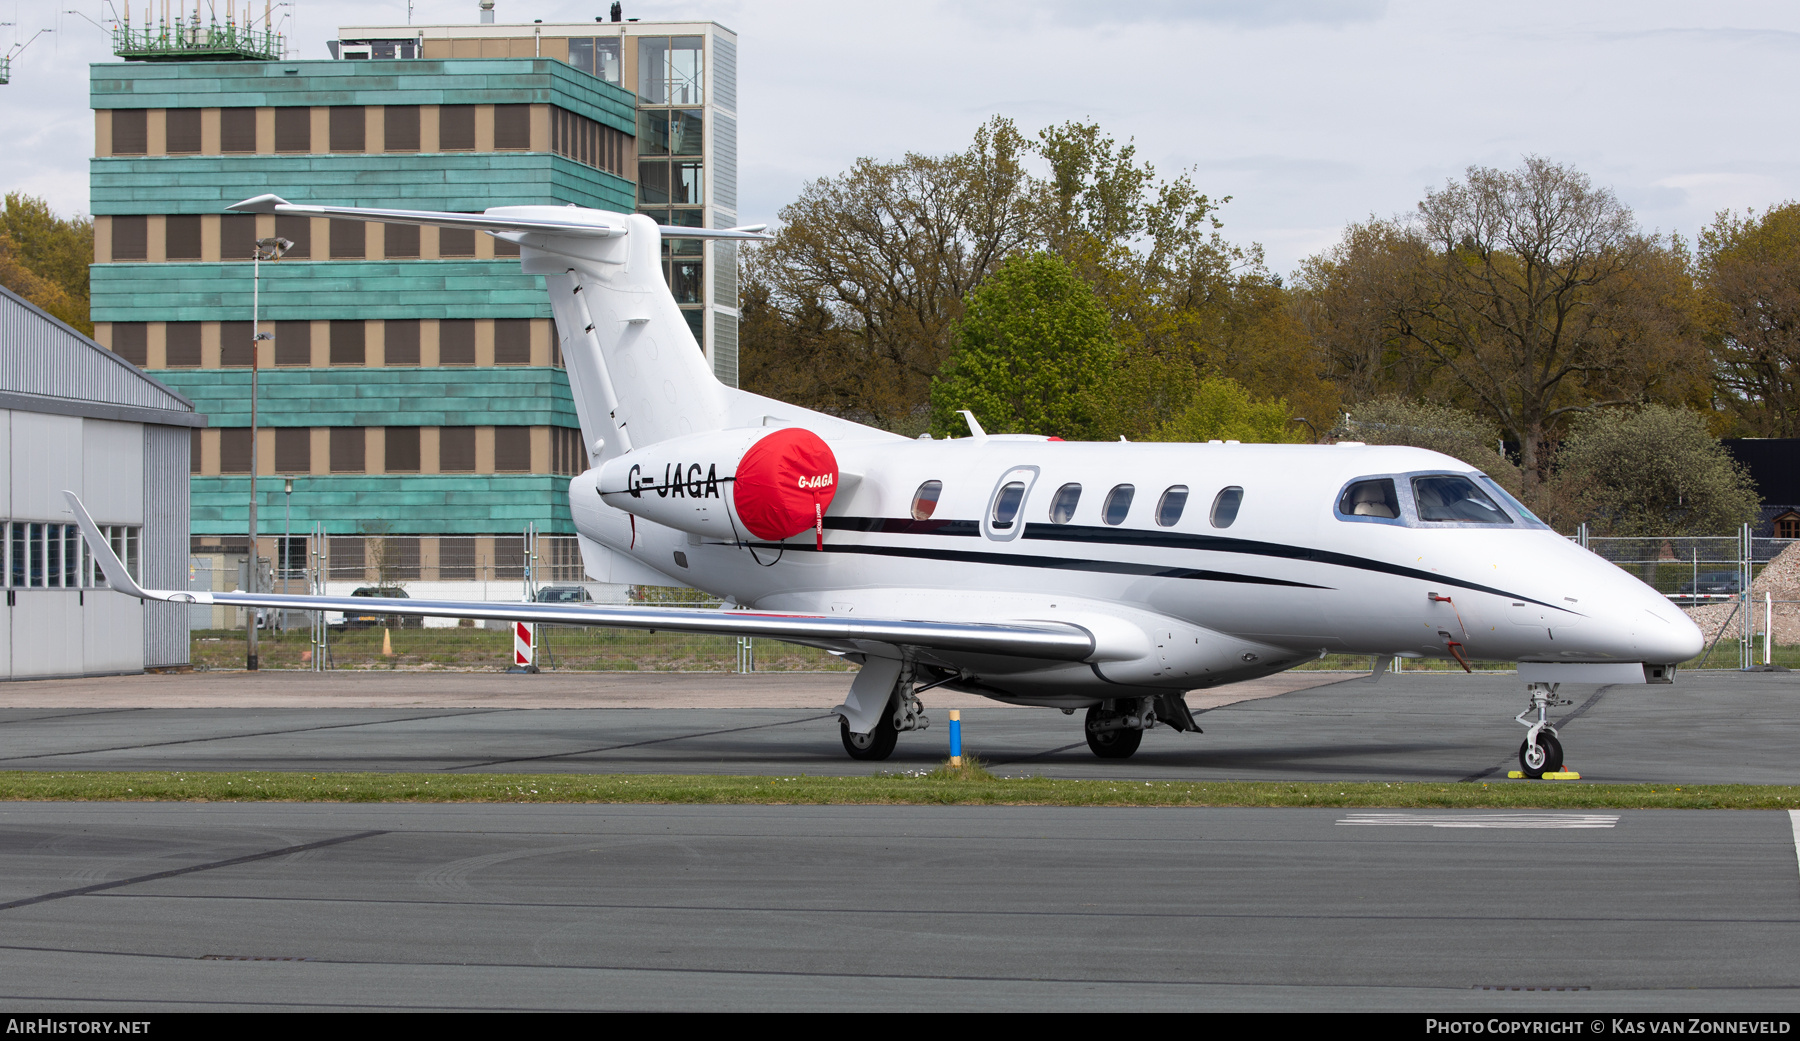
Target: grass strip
(941, 787)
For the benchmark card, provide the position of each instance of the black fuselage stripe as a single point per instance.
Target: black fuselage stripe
(1168, 540)
(1108, 567)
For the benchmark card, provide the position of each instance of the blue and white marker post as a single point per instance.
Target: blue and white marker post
(955, 737)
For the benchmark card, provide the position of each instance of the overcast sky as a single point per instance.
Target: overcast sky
(1307, 113)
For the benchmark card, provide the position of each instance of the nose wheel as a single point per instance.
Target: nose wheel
(1541, 752)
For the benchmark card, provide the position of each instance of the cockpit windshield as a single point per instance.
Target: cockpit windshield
(1448, 497)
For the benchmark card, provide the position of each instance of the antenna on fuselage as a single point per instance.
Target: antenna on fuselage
(974, 424)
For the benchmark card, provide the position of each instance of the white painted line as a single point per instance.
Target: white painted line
(1500, 820)
(1794, 822)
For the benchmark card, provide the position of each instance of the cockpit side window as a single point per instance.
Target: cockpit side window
(1373, 498)
(1450, 497)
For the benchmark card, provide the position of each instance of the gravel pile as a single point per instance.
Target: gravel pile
(1781, 579)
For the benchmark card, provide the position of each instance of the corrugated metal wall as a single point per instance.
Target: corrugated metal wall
(165, 547)
(39, 355)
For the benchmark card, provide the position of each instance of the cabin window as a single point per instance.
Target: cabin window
(1371, 499)
(925, 500)
(1062, 508)
(1168, 510)
(1118, 504)
(1006, 505)
(1225, 506)
(1446, 497)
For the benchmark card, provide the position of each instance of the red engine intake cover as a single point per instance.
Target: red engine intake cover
(785, 483)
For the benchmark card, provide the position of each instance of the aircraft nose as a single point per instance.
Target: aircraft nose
(1665, 635)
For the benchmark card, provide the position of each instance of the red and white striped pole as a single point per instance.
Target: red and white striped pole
(524, 645)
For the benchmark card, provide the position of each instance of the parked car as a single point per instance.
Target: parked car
(563, 595)
(358, 620)
(1713, 583)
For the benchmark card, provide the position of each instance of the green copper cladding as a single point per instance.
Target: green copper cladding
(412, 504)
(501, 395)
(462, 182)
(450, 81)
(298, 290)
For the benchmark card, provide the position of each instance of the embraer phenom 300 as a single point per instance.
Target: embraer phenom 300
(1107, 577)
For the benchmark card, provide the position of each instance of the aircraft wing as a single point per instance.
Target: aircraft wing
(559, 220)
(1046, 640)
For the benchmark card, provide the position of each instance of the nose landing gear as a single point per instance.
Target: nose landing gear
(1542, 752)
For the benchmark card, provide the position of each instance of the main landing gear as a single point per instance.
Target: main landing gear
(1541, 752)
(1115, 728)
(904, 712)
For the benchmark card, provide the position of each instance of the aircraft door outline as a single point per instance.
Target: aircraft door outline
(1003, 518)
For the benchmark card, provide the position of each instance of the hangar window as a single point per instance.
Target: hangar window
(925, 500)
(1006, 505)
(1118, 504)
(1062, 508)
(1447, 497)
(1168, 511)
(1225, 506)
(1371, 499)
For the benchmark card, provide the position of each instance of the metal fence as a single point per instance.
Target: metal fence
(1716, 580)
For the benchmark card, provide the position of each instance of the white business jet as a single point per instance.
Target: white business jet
(1109, 577)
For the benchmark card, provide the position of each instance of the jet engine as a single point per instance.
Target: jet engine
(757, 483)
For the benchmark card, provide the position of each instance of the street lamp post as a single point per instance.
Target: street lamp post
(266, 249)
(287, 548)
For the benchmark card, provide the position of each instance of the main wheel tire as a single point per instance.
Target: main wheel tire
(1111, 744)
(1549, 759)
(873, 746)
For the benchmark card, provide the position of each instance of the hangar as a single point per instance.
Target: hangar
(74, 415)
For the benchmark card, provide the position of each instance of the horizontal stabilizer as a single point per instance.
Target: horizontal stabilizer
(553, 220)
(1048, 640)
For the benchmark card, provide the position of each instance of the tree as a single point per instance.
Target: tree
(1653, 470)
(45, 259)
(882, 258)
(1221, 409)
(1527, 296)
(1440, 428)
(1750, 266)
(1033, 354)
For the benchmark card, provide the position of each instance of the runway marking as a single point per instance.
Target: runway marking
(171, 873)
(1486, 820)
(263, 733)
(636, 744)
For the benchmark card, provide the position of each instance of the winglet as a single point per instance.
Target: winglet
(116, 575)
(259, 204)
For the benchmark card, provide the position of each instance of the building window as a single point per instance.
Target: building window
(347, 450)
(402, 454)
(235, 343)
(55, 556)
(348, 239)
(131, 341)
(456, 242)
(344, 556)
(669, 70)
(512, 128)
(456, 450)
(512, 449)
(293, 450)
(130, 133)
(670, 132)
(297, 230)
(456, 341)
(181, 345)
(512, 341)
(598, 56)
(400, 240)
(456, 558)
(181, 237)
(685, 281)
(1787, 526)
(400, 128)
(131, 237)
(293, 342)
(588, 142)
(237, 130)
(237, 236)
(347, 128)
(234, 450)
(347, 342)
(181, 130)
(195, 455)
(293, 129)
(401, 346)
(456, 128)
(566, 456)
